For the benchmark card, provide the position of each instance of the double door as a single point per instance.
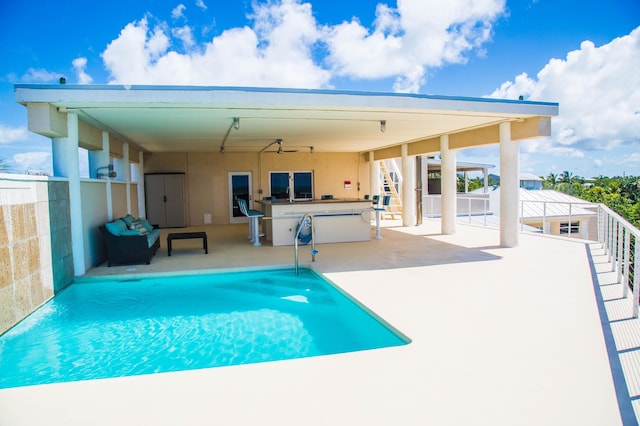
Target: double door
(165, 199)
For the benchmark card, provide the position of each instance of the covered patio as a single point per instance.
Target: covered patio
(210, 133)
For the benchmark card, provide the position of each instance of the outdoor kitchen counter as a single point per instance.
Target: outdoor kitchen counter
(335, 220)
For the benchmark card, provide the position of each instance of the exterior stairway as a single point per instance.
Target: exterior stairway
(387, 187)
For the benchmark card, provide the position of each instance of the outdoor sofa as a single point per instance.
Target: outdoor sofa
(130, 240)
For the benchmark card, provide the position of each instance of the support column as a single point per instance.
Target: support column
(408, 188)
(99, 162)
(466, 182)
(374, 170)
(65, 164)
(449, 180)
(142, 208)
(485, 175)
(419, 185)
(123, 168)
(509, 188)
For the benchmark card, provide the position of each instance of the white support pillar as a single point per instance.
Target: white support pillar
(65, 164)
(123, 170)
(99, 162)
(374, 170)
(449, 180)
(509, 188)
(408, 188)
(466, 181)
(142, 207)
(485, 175)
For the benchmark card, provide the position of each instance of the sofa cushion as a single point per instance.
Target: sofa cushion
(128, 219)
(138, 227)
(153, 236)
(146, 224)
(129, 233)
(116, 227)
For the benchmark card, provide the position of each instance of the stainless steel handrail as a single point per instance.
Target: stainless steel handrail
(313, 241)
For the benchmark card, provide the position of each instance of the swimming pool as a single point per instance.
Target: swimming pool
(102, 329)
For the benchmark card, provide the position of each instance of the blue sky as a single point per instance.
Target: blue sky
(584, 55)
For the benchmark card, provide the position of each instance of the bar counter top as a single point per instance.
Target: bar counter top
(314, 201)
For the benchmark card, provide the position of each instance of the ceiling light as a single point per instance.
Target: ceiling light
(383, 125)
(222, 150)
(236, 123)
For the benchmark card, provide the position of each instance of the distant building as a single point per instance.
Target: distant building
(527, 181)
(530, 181)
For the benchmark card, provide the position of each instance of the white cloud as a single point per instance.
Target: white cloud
(178, 11)
(408, 40)
(39, 76)
(278, 48)
(276, 52)
(185, 35)
(598, 89)
(201, 4)
(12, 134)
(79, 65)
(33, 162)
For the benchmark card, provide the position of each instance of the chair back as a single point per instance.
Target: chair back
(386, 200)
(242, 204)
(376, 200)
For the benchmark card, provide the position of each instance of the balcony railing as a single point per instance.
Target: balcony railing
(619, 239)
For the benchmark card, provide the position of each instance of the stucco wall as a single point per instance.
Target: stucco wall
(207, 176)
(35, 244)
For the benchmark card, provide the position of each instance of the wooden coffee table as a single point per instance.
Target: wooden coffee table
(188, 236)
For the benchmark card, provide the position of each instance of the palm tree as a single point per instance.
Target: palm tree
(566, 176)
(551, 181)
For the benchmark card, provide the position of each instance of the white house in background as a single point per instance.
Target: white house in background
(527, 181)
(530, 181)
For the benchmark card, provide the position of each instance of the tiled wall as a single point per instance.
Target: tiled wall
(35, 245)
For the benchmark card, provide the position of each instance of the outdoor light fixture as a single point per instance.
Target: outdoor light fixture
(383, 125)
(236, 123)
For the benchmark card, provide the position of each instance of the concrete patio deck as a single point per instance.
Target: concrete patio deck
(499, 337)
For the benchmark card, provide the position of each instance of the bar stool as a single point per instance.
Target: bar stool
(253, 215)
(386, 200)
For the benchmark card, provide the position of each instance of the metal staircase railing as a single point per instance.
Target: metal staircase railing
(313, 241)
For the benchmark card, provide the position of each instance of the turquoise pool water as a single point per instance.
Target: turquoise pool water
(103, 329)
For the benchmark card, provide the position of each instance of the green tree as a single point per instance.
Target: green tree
(550, 181)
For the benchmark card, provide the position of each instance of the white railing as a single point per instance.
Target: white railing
(466, 205)
(570, 212)
(619, 239)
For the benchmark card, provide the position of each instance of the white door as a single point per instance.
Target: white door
(239, 187)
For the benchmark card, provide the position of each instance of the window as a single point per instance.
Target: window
(569, 228)
(299, 184)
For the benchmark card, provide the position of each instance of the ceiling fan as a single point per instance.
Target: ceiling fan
(280, 150)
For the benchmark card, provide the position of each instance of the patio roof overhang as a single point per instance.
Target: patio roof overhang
(201, 119)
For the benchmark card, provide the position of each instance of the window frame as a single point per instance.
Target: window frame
(291, 187)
